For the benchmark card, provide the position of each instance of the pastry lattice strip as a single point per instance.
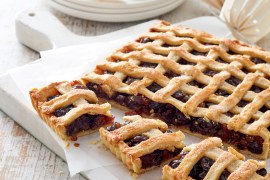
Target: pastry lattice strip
(60, 104)
(154, 129)
(130, 61)
(231, 161)
(80, 98)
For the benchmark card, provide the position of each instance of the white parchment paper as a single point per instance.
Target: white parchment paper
(70, 63)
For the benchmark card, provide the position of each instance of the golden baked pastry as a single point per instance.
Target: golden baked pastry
(204, 85)
(142, 143)
(70, 109)
(206, 160)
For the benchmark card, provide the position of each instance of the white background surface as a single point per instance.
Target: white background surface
(22, 156)
(58, 65)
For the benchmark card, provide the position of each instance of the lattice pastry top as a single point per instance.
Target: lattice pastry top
(142, 143)
(206, 160)
(225, 81)
(67, 106)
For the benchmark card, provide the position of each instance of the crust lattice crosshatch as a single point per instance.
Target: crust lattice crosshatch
(142, 143)
(204, 85)
(206, 160)
(70, 109)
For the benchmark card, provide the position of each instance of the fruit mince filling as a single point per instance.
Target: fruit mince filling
(83, 123)
(172, 116)
(149, 160)
(201, 168)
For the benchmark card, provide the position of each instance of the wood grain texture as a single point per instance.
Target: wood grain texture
(21, 155)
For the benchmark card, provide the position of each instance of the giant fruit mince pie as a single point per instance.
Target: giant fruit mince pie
(142, 143)
(70, 109)
(203, 85)
(206, 160)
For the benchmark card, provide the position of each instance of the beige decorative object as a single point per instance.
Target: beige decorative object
(248, 19)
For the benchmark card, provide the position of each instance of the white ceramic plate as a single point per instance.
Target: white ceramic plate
(108, 17)
(117, 3)
(113, 10)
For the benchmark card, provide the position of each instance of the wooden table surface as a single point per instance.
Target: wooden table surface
(21, 155)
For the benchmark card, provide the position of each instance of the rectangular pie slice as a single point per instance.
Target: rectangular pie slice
(142, 143)
(205, 86)
(206, 160)
(70, 109)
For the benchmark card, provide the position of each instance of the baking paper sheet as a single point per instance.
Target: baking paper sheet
(70, 63)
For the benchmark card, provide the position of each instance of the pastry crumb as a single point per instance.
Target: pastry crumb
(94, 142)
(76, 144)
(134, 175)
(67, 144)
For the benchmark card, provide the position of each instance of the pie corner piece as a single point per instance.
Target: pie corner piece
(206, 160)
(142, 143)
(201, 84)
(70, 109)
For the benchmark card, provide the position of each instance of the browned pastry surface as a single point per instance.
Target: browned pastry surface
(204, 82)
(70, 109)
(206, 160)
(142, 143)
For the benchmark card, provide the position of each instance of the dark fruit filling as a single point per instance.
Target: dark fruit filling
(144, 40)
(256, 89)
(87, 122)
(181, 96)
(175, 163)
(62, 111)
(257, 60)
(157, 157)
(210, 72)
(201, 168)
(148, 65)
(84, 122)
(170, 74)
(231, 52)
(221, 92)
(115, 126)
(52, 97)
(172, 116)
(154, 87)
(221, 60)
(135, 140)
(185, 62)
(233, 81)
(262, 172)
(153, 159)
(128, 80)
(197, 53)
(170, 45)
(209, 44)
(196, 83)
(245, 70)
(264, 109)
(79, 86)
(243, 103)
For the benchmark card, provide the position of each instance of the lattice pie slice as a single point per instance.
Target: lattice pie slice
(70, 109)
(141, 143)
(203, 85)
(206, 160)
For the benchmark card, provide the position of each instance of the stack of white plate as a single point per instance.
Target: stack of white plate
(114, 10)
